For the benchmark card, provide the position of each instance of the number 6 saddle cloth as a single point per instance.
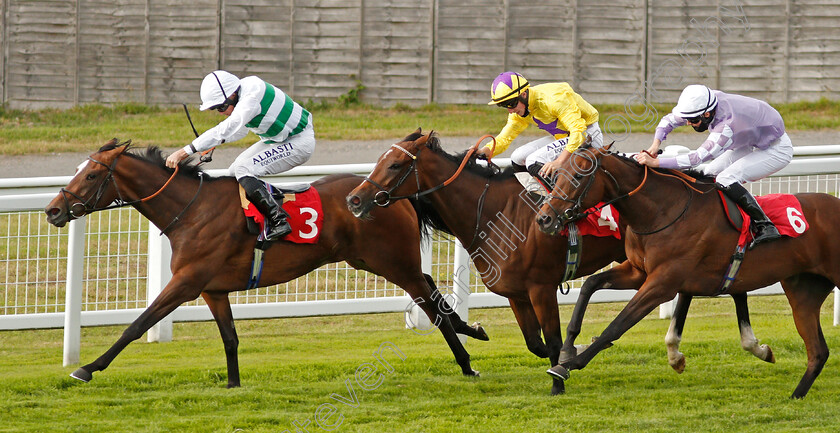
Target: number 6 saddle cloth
(784, 210)
(301, 202)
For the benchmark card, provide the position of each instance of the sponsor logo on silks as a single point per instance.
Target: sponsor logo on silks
(273, 154)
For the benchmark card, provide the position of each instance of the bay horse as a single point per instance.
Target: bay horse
(491, 213)
(212, 249)
(679, 241)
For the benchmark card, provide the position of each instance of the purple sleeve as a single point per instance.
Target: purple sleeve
(666, 125)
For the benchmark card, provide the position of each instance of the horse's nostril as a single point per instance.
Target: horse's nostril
(355, 200)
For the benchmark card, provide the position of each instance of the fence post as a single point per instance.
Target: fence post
(415, 317)
(73, 297)
(666, 310)
(159, 274)
(461, 283)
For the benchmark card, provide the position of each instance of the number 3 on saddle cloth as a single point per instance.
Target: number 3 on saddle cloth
(306, 216)
(784, 210)
(301, 202)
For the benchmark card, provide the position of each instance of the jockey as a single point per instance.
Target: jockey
(287, 137)
(747, 142)
(553, 107)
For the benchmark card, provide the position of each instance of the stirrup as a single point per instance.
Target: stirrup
(766, 233)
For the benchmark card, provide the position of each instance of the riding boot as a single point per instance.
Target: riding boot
(534, 170)
(276, 219)
(764, 229)
(518, 168)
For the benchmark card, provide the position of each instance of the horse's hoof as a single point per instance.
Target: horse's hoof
(81, 374)
(679, 364)
(481, 334)
(559, 387)
(473, 373)
(559, 372)
(565, 356)
(769, 356)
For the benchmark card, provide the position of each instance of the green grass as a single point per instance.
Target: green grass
(291, 367)
(84, 128)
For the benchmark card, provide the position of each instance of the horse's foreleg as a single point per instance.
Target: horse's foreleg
(622, 276)
(219, 305)
(174, 294)
(748, 340)
(805, 294)
(523, 311)
(649, 296)
(672, 339)
(544, 302)
(475, 331)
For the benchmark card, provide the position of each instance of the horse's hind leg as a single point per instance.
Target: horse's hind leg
(672, 339)
(806, 294)
(173, 295)
(475, 331)
(219, 305)
(748, 340)
(421, 294)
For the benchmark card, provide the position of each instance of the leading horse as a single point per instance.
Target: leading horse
(679, 241)
(212, 249)
(492, 215)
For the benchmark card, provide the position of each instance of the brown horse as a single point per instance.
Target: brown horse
(212, 249)
(679, 241)
(492, 215)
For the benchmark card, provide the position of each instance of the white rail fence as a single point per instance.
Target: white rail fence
(105, 268)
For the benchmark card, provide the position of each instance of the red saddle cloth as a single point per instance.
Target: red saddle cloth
(786, 213)
(784, 210)
(601, 223)
(305, 216)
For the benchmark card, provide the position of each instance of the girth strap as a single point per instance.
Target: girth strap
(572, 255)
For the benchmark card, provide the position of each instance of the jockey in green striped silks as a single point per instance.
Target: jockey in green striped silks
(287, 137)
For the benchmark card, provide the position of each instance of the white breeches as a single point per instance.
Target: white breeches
(748, 164)
(271, 158)
(546, 149)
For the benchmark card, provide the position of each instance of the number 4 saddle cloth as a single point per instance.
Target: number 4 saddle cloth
(784, 210)
(302, 203)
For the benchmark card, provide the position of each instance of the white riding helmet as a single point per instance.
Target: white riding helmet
(216, 88)
(695, 100)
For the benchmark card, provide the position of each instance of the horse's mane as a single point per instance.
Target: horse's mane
(154, 155)
(427, 215)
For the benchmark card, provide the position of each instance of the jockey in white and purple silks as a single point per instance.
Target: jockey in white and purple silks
(747, 142)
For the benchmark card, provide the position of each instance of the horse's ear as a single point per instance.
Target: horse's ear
(418, 131)
(126, 144)
(423, 139)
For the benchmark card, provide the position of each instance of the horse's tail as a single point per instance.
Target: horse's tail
(428, 218)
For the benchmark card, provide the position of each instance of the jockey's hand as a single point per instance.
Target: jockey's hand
(654, 147)
(176, 157)
(645, 159)
(484, 153)
(550, 168)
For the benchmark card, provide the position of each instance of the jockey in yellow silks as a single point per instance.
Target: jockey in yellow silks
(553, 107)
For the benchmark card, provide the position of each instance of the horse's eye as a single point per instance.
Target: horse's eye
(578, 176)
(91, 176)
(394, 166)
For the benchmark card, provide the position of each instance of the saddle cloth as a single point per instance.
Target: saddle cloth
(302, 203)
(601, 223)
(784, 210)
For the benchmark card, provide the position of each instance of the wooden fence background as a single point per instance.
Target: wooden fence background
(61, 53)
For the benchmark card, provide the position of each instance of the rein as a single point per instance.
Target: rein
(383, 198)
(119, 201)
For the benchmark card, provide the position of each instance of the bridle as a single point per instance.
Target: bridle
(90, 205)
(574, 213)
(384, 198)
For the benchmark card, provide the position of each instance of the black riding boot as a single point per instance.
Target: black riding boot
(275, 216)
(534, 170)
(764, 229)
(518, 168)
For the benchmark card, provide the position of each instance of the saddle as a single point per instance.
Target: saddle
(286, 190)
